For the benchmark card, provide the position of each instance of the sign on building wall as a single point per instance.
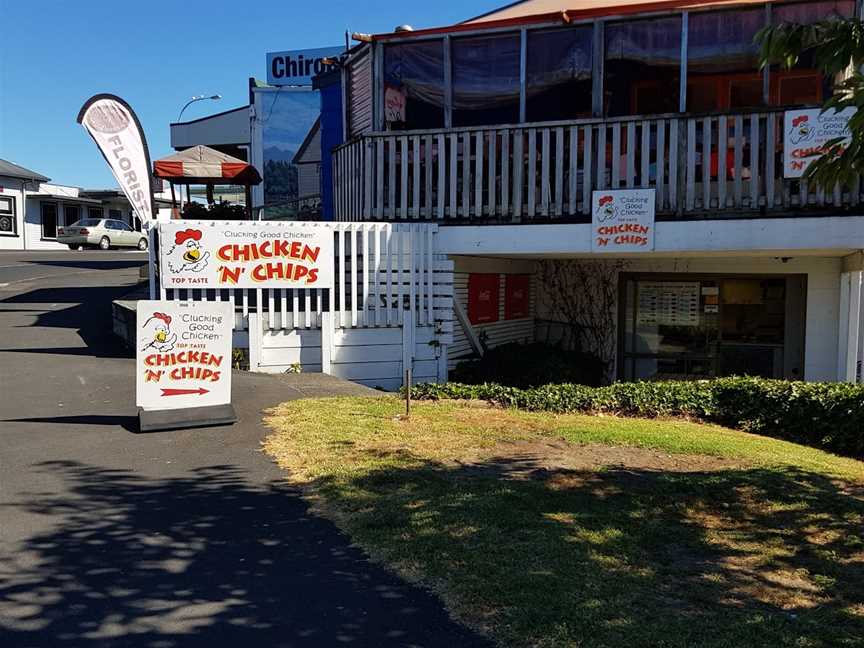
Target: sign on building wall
(517, 296)
(806, 133)
(622, 220)
(242, 254)
(395, 104)
(183, 357)
(483, 298)
(297, 67)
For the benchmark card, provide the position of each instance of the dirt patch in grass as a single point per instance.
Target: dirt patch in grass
(538, 458)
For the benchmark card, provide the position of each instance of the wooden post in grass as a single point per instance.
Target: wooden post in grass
(407, 392)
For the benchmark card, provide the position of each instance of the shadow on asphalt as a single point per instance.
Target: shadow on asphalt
(91, 264)
(204, 560)
(128, 423)
(89, 313)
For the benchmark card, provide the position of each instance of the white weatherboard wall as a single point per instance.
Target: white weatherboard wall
(495, 333)
(370, 356)
(823, 297)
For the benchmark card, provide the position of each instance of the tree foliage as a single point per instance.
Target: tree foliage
(836, 46)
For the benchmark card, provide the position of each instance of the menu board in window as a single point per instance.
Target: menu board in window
(668, 303)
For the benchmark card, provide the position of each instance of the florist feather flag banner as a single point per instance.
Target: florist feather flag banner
(117, 132)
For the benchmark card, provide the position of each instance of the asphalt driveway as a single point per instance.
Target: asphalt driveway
(113, 538)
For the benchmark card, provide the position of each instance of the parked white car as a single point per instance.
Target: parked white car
(104, 233)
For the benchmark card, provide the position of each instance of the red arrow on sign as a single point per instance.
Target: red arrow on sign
(182, 392)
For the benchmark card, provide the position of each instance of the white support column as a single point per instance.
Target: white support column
(849, 336)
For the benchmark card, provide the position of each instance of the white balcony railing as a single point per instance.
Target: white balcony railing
(713, 165)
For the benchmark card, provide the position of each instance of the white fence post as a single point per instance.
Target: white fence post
(151, 257)
(255, 341)
(442, 364)
(326, 341)
(407, 342)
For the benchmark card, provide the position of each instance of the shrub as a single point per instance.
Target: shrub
(530, 365)
(824, 415)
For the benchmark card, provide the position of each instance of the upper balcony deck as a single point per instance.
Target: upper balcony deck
(714, 166)
(518, 119)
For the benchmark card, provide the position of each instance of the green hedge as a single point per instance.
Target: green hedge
(824, 415)
(530, 365)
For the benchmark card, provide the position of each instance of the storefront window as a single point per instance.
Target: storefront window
(71, 214)
(485, 80)
(723, 60)
(559, 74)
(704, 327)
(642, 68)
(49, 220)
(415, 72)
(803, 84)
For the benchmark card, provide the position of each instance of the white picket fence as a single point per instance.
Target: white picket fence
(392, 290)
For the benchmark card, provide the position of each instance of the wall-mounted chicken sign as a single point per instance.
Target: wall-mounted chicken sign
(183, 354)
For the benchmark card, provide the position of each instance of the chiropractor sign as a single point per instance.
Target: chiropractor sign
(198, 254)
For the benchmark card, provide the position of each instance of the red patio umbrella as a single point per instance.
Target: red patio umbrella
(207, 166)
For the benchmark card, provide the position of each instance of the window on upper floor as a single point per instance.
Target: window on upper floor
(642, 66)
(723, 60)
(558, 73)
(804, 84)
(414, 84)
(486, 79)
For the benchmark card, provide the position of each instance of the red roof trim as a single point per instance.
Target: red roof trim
(564, 16)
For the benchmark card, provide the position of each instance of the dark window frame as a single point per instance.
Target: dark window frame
(66, 220)
(11, 213)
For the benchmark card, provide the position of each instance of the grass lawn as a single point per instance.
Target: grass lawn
(550, 530)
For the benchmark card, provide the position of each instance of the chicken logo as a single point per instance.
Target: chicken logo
(186, 253)
(607, 210)
(157, 333)
(801, 131)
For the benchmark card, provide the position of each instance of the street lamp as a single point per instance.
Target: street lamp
(215, 97)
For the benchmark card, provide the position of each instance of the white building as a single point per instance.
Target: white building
(32, 208)
(501, 128)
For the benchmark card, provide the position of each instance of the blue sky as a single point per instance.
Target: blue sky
(54, 55)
